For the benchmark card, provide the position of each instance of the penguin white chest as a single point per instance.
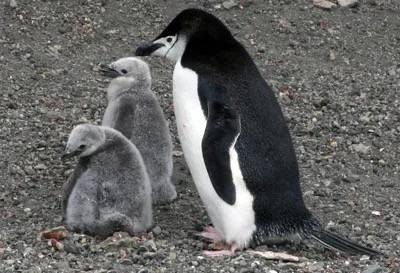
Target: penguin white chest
(234, 223)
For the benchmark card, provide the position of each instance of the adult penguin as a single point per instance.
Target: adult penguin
(235, 139)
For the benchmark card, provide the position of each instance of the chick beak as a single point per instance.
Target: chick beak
(108, 71)
(68, 154)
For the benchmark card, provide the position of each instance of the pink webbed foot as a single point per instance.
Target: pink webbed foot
(210, 234)
(218, 246)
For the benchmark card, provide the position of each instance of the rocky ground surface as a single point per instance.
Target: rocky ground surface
(337, 76)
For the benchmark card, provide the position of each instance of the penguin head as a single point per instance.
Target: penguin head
(191, 27)
(84, 140)
(127, 67)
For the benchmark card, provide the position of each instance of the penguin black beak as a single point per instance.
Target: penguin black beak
(147, 49)
(107, 71)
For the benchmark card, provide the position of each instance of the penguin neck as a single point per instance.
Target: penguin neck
(122, 85)
(111, 140)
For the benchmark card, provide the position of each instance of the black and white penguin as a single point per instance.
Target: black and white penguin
(235, 139)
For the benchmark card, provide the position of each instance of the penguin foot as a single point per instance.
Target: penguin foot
(218, 246)
(221, 249)
(210, 234)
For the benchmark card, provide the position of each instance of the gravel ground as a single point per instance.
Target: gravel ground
(337, 76)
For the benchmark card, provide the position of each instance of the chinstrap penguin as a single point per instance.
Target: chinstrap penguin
(133, 109)
(235, 139)
(109, 189)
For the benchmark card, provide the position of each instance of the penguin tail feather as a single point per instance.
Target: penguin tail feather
(338, 243)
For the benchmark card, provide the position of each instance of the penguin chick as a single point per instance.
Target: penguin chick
(133, 109)
(109, 189)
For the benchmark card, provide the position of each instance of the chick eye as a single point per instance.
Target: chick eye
(169, 39)
(82, 146)
(123, 71)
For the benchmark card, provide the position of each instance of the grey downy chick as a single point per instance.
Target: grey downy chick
(133, 109)
(109, 189)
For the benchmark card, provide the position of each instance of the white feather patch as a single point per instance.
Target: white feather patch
(234, 223)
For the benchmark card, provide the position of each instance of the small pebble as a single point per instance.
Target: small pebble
(324, 4)
(373, 269)
(41, 166)
(10, 261)
(13, 4)
(156, 230)
(332, 55)
(177, 153)
(361, 148)
(229, 4)
(150, 245)
(364, 258)
(348, 3)
(172, 256)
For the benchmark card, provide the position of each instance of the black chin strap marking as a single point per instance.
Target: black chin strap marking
(177, 38)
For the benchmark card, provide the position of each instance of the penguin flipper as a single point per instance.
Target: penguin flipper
(68, 186)
(339, 243)
(121, 115)
(222, 130)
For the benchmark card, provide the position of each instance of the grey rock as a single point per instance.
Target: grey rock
(374, 268)
(149, 255)
(327, 182)
(361, 148)
(71, 248)
(229, 4)
(348, 3)
(126, 262)
(141, 250)
(172, 255)
(246, 270)
(62, 266)
(54, 115)
(324, 4)
(29, 170)
(150, 245)
(41, 166)
(13, 4)
(9, 261)
(157, 230)
(316, 267)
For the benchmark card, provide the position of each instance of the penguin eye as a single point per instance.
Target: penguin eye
(169, 39)
(123, 71)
